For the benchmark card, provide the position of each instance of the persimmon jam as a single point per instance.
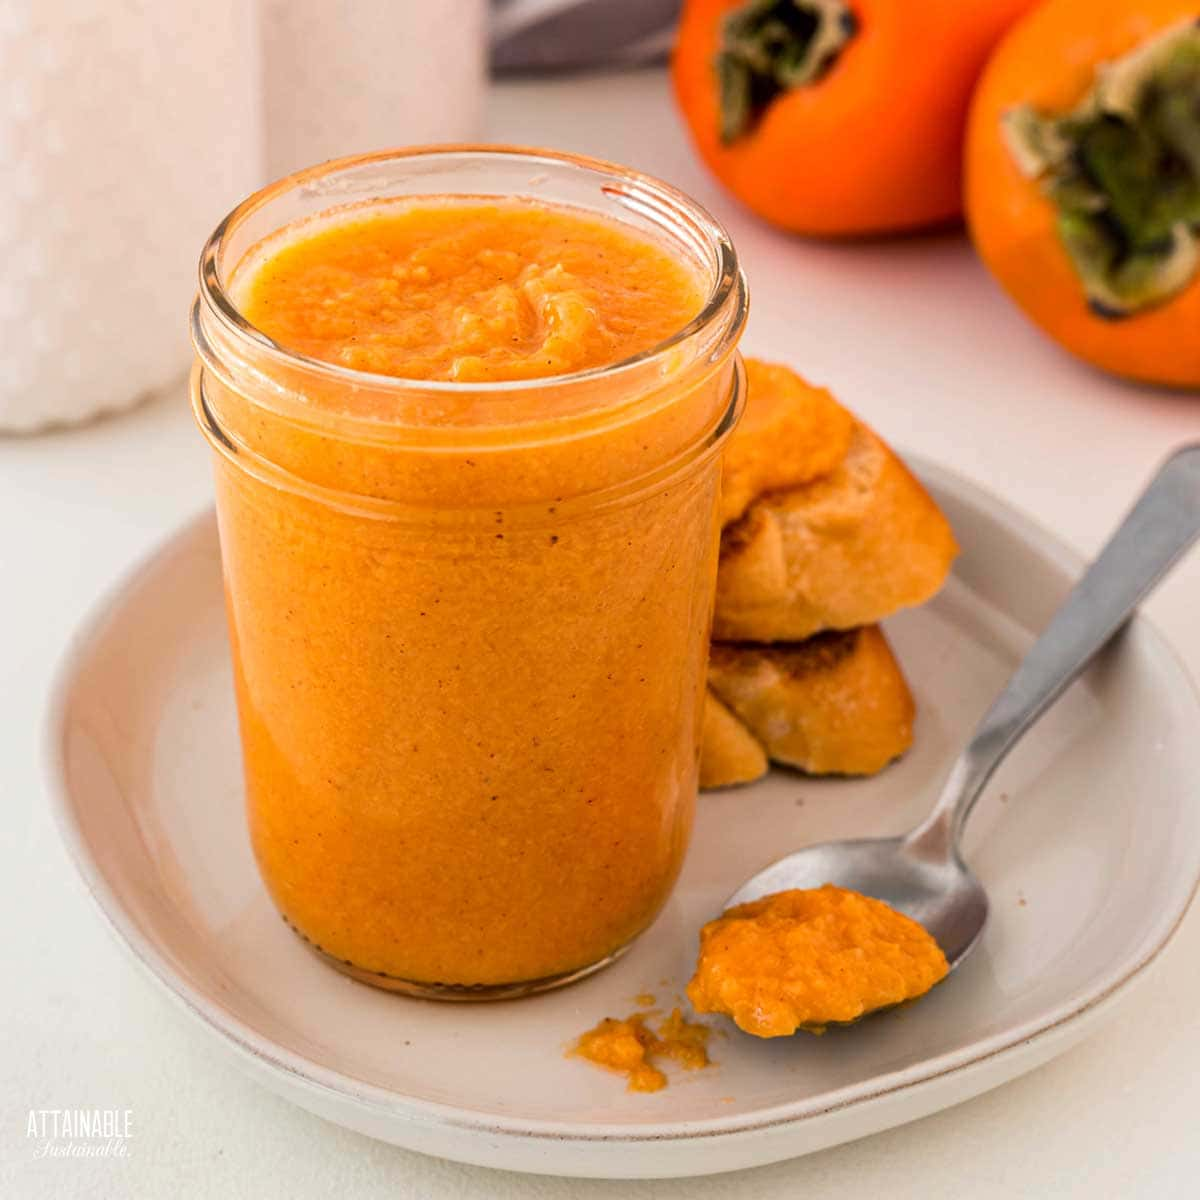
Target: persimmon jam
(469, 653)
(471, 292)
(809, 958)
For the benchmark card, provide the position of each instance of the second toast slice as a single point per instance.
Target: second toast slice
(835, 704)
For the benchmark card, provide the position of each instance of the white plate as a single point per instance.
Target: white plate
(1088, 842)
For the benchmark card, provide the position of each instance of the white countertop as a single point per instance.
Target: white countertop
(913, 335)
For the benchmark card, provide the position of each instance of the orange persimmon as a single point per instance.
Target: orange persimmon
(836, 117)
(1083, 180)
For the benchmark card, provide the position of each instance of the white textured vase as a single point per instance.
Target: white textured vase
(126, 130)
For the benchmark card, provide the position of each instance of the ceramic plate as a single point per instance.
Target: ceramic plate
(1088, 841)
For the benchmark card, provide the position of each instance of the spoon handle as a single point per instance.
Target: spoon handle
(1163, 523)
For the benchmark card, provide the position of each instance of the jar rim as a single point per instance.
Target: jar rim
(642, 193)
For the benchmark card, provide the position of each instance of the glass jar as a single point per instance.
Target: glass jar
(469, 622)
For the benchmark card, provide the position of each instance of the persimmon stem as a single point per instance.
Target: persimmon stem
(1122, 169)
(771, 46)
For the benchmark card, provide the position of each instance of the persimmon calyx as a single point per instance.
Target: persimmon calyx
(771, 46)
(1122, 169)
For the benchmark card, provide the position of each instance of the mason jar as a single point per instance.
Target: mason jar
(469, 621)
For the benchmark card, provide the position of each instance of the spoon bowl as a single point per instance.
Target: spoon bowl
(923, 874)
(940, 894)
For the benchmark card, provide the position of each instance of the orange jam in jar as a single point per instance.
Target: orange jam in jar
(466, 408)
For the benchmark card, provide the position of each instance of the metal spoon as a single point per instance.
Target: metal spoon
(922, 873)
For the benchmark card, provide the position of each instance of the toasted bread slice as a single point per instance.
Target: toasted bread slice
(729, 752)
(836, 704)
(844, 550)
(790, 433)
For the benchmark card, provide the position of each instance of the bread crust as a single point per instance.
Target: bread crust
(730, 754)
(841, 551)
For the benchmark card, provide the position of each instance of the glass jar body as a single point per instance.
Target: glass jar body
(469, 655)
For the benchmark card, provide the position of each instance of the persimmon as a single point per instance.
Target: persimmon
(1083, 180)
(836, 117)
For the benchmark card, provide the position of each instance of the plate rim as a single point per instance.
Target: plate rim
(337, 1085)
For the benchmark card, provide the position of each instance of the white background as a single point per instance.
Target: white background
(913, 335)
